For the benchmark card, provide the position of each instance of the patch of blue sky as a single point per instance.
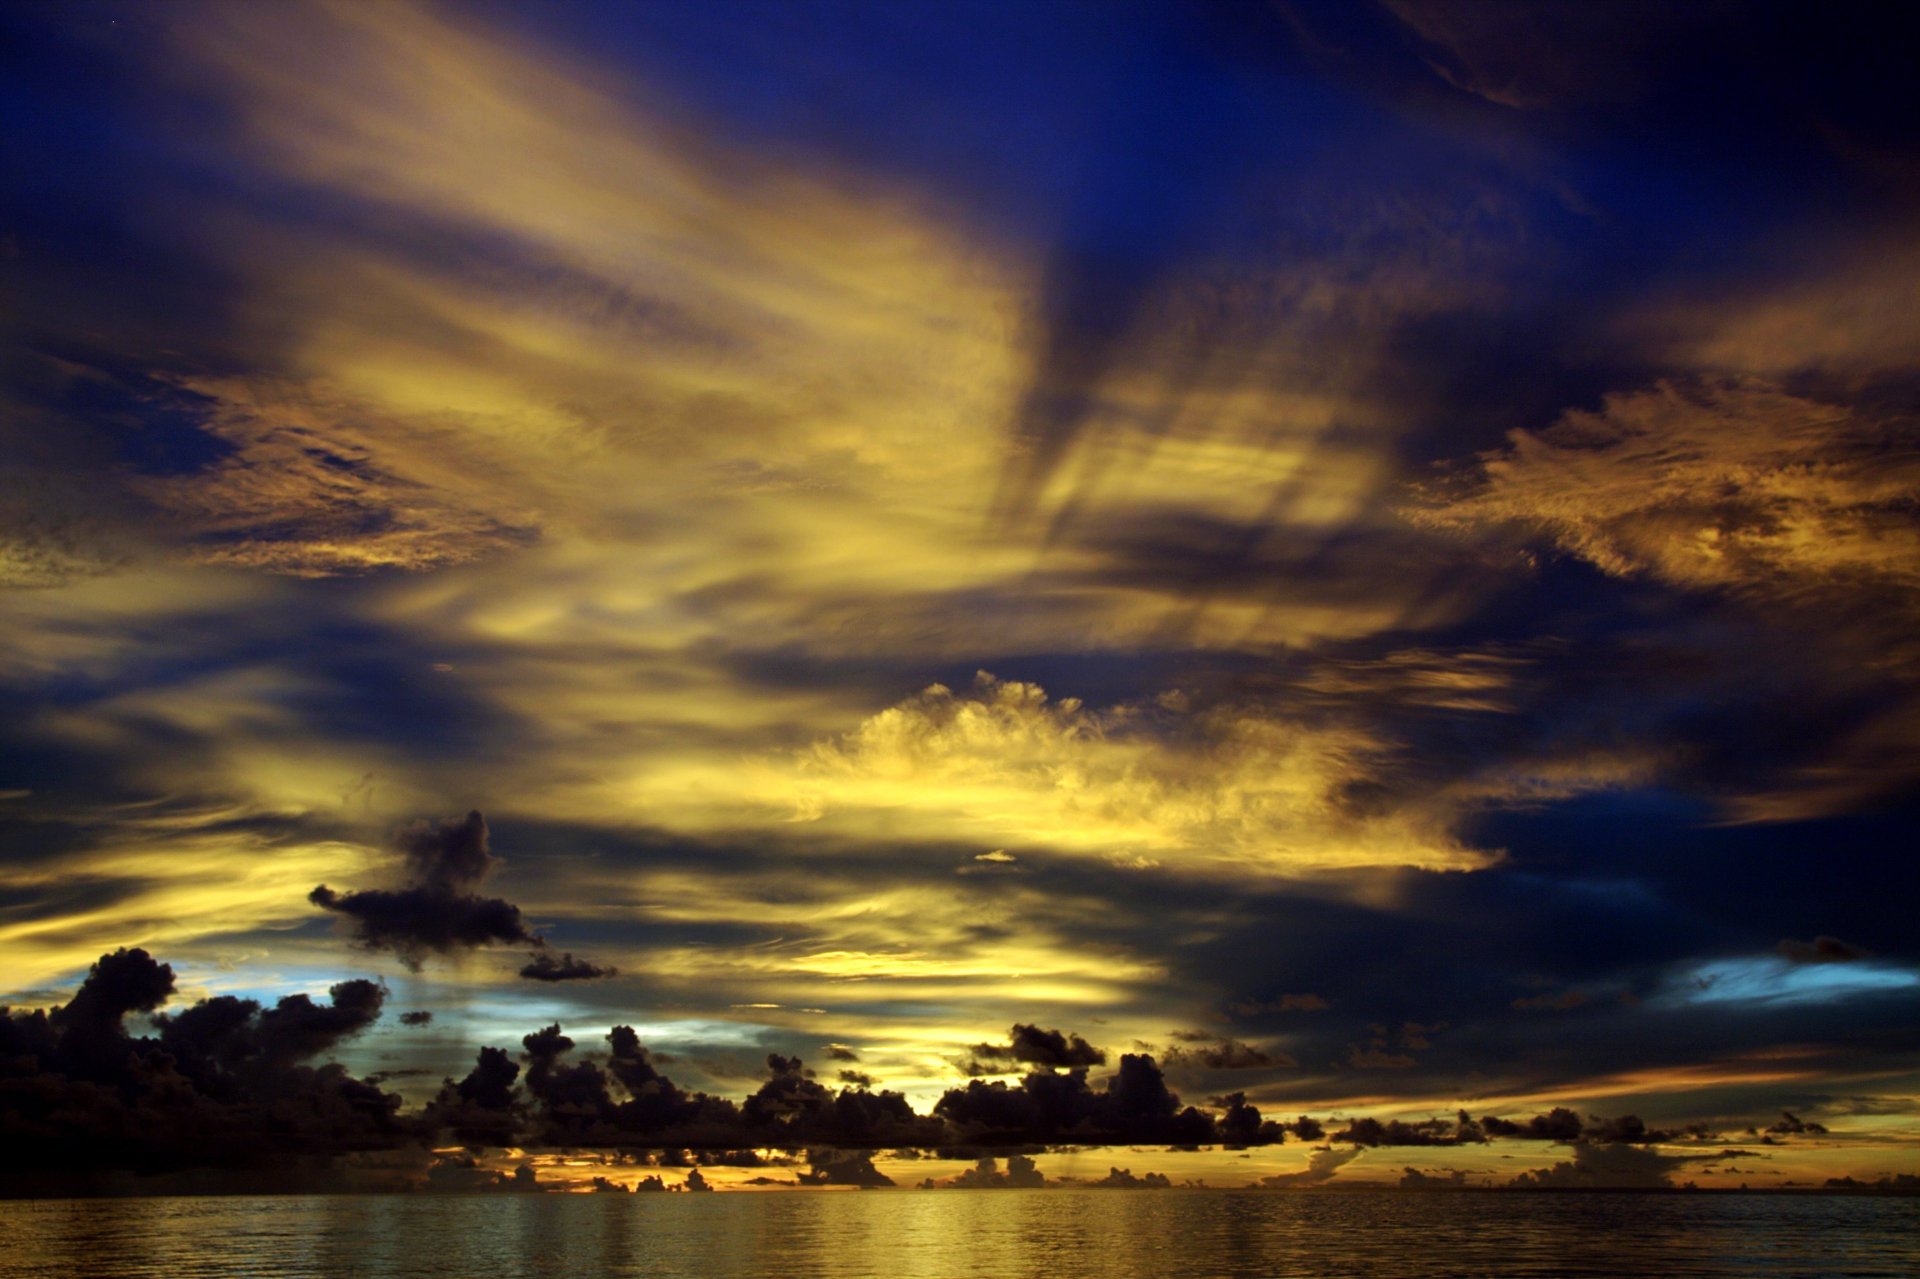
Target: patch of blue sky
(1768, 981)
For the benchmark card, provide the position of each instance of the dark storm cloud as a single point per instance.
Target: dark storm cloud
(416, 1017)
(543, 966)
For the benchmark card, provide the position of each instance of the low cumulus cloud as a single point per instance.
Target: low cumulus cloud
(1021, 1173)
(1135, 1104)
(226, 1084)
(231, 1086)
(1605, 1168)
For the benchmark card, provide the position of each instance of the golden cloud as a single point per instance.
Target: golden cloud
(1730, 485)
(1223, 791)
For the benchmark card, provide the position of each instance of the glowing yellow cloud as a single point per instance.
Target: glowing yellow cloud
(1726, 485)
(1224, 791)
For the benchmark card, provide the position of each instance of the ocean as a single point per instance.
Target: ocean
(949, 1234)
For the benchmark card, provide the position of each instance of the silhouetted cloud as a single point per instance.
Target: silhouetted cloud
(1790, 1124)
(843, 1168)
(1030, 1045)
(438, 911)
(223, 1084)
(543, 966)
(1395, 1132)
(1604, 1167)
(1134, 1105)
(1558, 1124)
(1021, 1173)
(1123, 1179)
(1212, 1052)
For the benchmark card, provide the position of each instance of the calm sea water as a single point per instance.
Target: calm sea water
(950, 1234)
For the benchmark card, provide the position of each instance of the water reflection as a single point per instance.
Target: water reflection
(953, 1234)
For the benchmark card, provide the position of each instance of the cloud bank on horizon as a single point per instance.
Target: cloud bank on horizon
(1362, 555)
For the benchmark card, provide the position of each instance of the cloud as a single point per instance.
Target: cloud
(1306, 1002)
(1722, 485)
(1213, 1052)
(1021, 1173)
(1395, 1132)
(1231, 789)
(1790, 1124)
(1821, 950)
(1321, 1167)
(224, 1084)
(437, 912)
(543, 966)
(1606, 1168)
(1559, 1124)
(1775, 980)
(1134, 1105)
(1391, 1049)
(1830, 303)
(1030, 1045)
(1123, 1179)
(843, 1168)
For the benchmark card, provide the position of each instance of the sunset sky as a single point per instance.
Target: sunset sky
(1369, 553)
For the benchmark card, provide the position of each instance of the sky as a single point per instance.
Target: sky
(991, 581)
